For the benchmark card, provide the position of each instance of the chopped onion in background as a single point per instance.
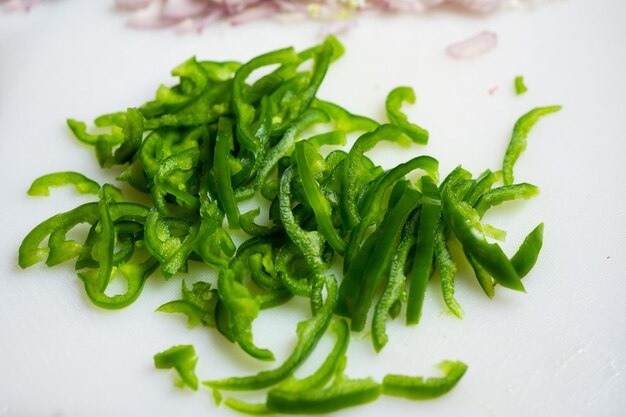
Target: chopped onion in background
(196, 15)
(473, 47)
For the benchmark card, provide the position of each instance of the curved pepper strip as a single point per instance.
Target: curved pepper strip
(483, 184)
(419, 388)
(458, 216)
(395, 283)
(245, 112)
(41, 186)
(311, 243)
(242, 310)
(499, 195)
(246, 221)
(528, 252)
(182, 358)
(135, 276)
(447, 270)
(287, 256)
(172, 177)
(343, 119)
(380, 260)
(223, 146)
(355, 175)
(198, 304)
(30, 251)
(133, 135)
(396, 117)
(285, 146)
(306, 157)
(309, 333)
(342, 394)
(79, 129)
(517, 144)
(424, 249)
(170, 250)
(247, 408)
(373, 205)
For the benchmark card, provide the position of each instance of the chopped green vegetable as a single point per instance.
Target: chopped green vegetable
(520, 87)
(518, 139)
(420, 388)
(182, 358)
(203, 146)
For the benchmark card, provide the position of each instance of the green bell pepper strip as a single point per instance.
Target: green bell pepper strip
(198, 304)
(333, 137)
(372, 210)
(343, 119)
(517, 144)
(242, 309)
(527, 254)
(285, 146)
(483, 184)
(447, 270)
(135, 276)
(342, 394)
(182, 358)
(326, 371)
(30, 251)
(315, 381)
(395, 283)
(244, 111)
(419, 388)
(170, 250)
(311, 243)
(223, 146)
(520, 87)
(79, 129)
(286, 257)
(173, 176)
(396, 117)
(104, 245)
(247, 408)
(380, 260)
(305, 155)
(499, 195)
(133, 135)
(355, 175)
(246, 221)
(483, 277)
(424, 249)
(41, 186)
(309, 333)
(463, 222)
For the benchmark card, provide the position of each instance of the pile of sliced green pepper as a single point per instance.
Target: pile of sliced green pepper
(215, 139)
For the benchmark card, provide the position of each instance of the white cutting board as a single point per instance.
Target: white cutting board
(559, 350)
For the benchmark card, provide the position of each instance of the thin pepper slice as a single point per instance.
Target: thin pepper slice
(342, 394)
(242, 310)
(447, 270)
(198, 304)
(419, 388)
(182, 358)
(520, 87)
(528, 252)
(424, 249)
(223, 146)
(41, 186)
(499, 195)
(396, 117)
(306, 157)
(395, 283)
(381, 257)
(309, 333)
(517, 144)
(460, 218)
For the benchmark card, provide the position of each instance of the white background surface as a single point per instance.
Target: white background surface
(559, 350)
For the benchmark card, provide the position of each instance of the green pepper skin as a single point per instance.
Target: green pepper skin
(346, 393)
(41, 186)
(520, 87)
(396, 117)
(526, 256)
(223, 146)
(489, 255)
(419, 388)
(424, 249)
(182, 358)
(309, 333)
(517, 144)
